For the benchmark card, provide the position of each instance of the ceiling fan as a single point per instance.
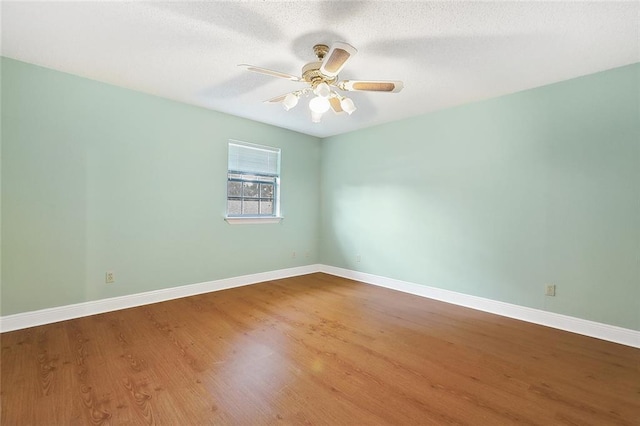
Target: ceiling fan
(322, 79)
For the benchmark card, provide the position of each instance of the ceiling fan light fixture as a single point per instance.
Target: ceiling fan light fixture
(319, 105)
(347, 105)
(290, 101)
(321, 77)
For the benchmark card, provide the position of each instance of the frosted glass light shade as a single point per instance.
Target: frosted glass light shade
(316, 117)
(322, 90)
(319, 105)
(347, 105)
(290, 101)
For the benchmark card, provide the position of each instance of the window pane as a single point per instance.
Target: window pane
(252, 180)
(266, 190)
(250, 207)
(251, 190)
(266, 207)
(234, 207)
(234, 189)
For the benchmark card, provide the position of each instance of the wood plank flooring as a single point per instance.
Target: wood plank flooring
(315, 349)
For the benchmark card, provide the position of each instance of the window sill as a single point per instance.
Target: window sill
(248, 220)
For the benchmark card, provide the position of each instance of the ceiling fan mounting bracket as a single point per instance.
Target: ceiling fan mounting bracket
(320, 50)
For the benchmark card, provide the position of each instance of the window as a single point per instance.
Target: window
(253, 182)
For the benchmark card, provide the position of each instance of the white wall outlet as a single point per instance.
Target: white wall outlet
(109, 277)
(293, 254)
(550, 290)
(358, 258)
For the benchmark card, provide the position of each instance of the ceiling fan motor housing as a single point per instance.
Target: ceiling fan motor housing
(311, 71)
(312, 75)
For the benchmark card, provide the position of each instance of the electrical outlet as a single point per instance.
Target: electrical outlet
(109, 277)
(293, 254)
(358, 258)
(550, 290)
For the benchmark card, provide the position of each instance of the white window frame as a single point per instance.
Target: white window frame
(263, 170)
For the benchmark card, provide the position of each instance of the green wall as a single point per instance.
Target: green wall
(494, 199)
(500, 197)
(98, 178)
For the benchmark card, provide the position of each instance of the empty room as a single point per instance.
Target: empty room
(320, 213)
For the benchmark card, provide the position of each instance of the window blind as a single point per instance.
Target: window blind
(255, 159)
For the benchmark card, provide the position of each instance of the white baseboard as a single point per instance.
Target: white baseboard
(563, 322)
(62, 313)
(607, 332)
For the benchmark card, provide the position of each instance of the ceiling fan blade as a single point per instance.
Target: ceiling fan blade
(336, 58)
(371, 86)
(276, 99)
(272, 73)
(335, 105)
(296, 93)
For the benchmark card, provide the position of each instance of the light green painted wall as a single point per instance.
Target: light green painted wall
(493, 199)
(97, 178)
(499, 197)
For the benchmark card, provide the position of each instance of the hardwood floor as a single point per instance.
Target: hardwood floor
(315, 349)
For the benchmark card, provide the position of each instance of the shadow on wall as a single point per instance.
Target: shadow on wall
(428, 238)
(388, 230)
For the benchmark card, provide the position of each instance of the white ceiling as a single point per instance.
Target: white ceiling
(447, 53)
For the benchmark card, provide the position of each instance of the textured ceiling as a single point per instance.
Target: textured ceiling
(447, 53)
